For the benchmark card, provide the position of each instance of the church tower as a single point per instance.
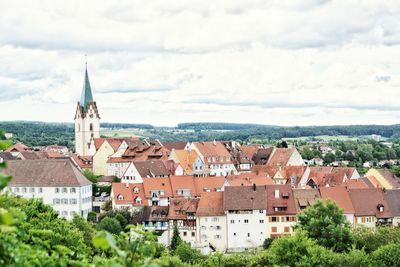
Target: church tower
(87, 121)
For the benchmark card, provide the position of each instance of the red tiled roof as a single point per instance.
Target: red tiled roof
(153, 184)
(366, 201)
(211, 204)
(213, 149)
(247, 179)
(127, 191)
(180, 208)
(182, 182)
(285, 199)
(340, 195)
(203, 184)
(280, 156)
(17, 147)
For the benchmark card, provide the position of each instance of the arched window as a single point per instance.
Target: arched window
(91, 127)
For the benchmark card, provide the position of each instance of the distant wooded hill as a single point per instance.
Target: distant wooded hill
(42, 134)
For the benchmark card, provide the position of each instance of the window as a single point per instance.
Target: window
(91, 127)
(64, 190)
(261, 221)
(286, 229)
(246, 221)
(72, 213)
(232, 221)
(273, 229)
(217, 237)
(193, 234)
(31, 190)
(273, 219)
(248, 234)
(57, 190)
(234, 234)
(138, 200)
(64, 213)
(23, 189)
(56, 201)
(72, 201)
(64, 201)
(215, 219)
(40, 190)
(72, 190)
(218, 227)
(261, 211)
(16, 190)
(184, 233)
(120, 197)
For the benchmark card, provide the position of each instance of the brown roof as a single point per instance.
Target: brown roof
(340, 195)
(245, 198)
(280, 156)
(366, 201)
(247, 179)
(262, 155)
(393, 199)
(17, 147)
(128, 193)
(98, 142)
(180, 208)
(84, 162)
(155, 213)
(211, 204)
(285, 199)
(6, 156)
(48, 172)
(29, 155)
(305, 197)
(358, 183)
(146, 152)
(151, 168)
(213, 149)
(250, 150)
(157, 184)
(106, 179)
(174, 145)
(389, 176)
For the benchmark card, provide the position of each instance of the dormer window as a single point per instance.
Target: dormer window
(120, 197)
(380, 207)
(136, 190)
(138, 200)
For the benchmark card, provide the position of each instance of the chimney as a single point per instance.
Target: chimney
(276, 193)
(127, 185)
(215, 143)
(254, 187)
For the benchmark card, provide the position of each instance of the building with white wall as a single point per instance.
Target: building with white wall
(58, 182)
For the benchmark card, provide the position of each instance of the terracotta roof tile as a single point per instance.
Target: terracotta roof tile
(245, 198)
(186, 158)
(366, 201)
(248, 179)
(305, 198)
(157, 184)
(203, 184)
(213, 149)
(128, 192)
(211, 204)
(180, 208)
(284, 198)
(340, 195)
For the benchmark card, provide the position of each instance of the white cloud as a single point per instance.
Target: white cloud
(165, 62)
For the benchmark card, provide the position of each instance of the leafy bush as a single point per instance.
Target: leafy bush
(110, 225)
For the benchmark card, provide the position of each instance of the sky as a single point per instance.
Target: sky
(163, 62)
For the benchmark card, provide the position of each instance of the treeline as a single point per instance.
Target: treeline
(40, 133)
(125, 125)
(218, 126)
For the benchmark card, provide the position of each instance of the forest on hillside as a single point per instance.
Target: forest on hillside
(42, 134)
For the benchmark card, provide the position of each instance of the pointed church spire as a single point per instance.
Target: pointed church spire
(87, 90)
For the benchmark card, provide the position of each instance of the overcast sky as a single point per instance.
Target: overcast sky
(310, 62)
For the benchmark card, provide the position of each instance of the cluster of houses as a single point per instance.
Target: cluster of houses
(221, 195)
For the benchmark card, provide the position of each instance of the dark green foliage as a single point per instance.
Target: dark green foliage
(110, 225)
(90, 176)
(188, 254)
(92, 216)
(176, 239)
(327, 225)
(388, 255)
(267, 243)
(371, 241)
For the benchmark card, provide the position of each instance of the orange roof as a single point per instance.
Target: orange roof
(250, 150)
(180, 208)
(157, 184)
(374, 181)
(211, 204)
(98, 142)
(357, 183)
(280, 196)
(118, 160)
(213, 149)
(128, 193)
(246, 179)
(182, 182)
(186, 158)
(338, 194)
(17, 147)
(204, 184)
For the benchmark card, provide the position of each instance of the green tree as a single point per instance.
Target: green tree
(326, 224)
(90, 176)
(371, 241)
(176, 238)
(388, 255)
(109, 224)
(329, 157)
(188, 254)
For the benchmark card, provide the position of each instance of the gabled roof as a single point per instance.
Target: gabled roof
(180, 208)
(280, 156)
(248, 179)
(186, 158)
(211, 204)
(157, 184)
(175, 145)
(213, 149)
(250, 150)
(283, 198)
(392, 179)
(155, 213)
(245, 198)
(127, 191)
(305, 197)
(393, 199)
(6, 156)
(203, 184)
(17, 147)
(366, 201)
(45, 172)
(151, 168)
(359, 183)
(262, 155)
(340, 195)
(182, 182)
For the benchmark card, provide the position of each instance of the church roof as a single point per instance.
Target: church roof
(87, 95)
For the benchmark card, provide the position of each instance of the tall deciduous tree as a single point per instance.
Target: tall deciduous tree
(326, 223)
(176, 239)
